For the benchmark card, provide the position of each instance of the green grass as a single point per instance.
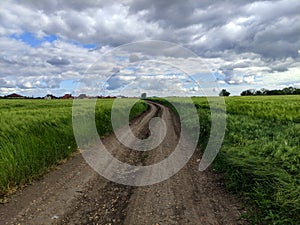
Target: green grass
(37, 134)
(260, 155)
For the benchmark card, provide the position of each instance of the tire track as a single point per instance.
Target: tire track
(75, 194)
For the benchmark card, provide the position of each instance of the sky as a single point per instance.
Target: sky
(160, 47)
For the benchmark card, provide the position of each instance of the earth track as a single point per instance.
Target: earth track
(75, 194)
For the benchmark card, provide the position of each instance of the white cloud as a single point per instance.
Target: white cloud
(248, 41)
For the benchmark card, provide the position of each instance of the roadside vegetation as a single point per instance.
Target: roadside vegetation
(38, 134)
(260, 155)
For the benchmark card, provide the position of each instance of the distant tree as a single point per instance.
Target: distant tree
(143, 95)
(263, 91)
(289, 90)
(258, 92)
(248, 92)
(297, 91)
(81, 96)
(224, 92)
(275, 92)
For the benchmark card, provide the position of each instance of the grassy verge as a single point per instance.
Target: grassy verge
(37, 134)
(260, 155)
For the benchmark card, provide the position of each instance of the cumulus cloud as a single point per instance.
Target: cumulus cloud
(58, 61)
(248, 41)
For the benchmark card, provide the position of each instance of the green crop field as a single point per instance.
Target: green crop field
(260, 155)
(37, 134)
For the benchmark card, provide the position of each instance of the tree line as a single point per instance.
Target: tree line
(263, 91)
(284, 91)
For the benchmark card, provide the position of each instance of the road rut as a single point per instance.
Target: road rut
(75, 194)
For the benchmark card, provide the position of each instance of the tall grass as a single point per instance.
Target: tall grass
(260, 155)
(36, 134)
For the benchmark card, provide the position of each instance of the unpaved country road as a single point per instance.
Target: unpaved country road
(75, 194)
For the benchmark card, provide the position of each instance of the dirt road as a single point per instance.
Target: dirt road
(75, 194)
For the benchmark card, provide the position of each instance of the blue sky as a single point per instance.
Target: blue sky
(245, 44)
(35, 41)
(32, 40)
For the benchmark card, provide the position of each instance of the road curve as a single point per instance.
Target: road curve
(75, 194)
